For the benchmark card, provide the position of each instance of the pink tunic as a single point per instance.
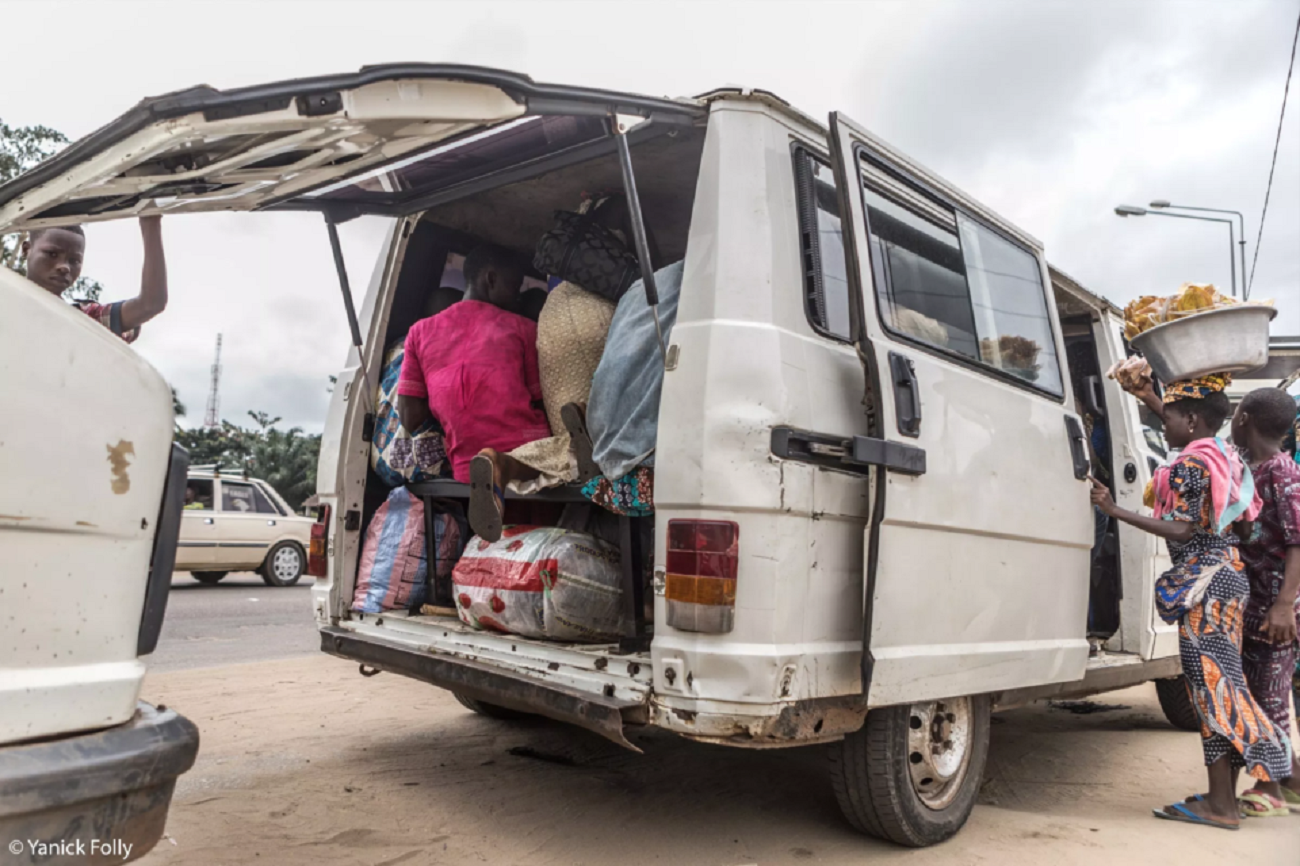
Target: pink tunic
(477, 366)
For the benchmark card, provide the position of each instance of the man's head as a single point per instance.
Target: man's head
(1268, 413)
(54, 257)
(493, 275)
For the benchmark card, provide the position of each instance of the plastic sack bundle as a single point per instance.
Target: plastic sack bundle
(394, 571)
(543, 582)
(396, 455)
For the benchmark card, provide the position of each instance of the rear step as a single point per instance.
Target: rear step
(602, 714)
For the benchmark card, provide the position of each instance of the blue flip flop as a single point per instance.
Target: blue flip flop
(1180, 812)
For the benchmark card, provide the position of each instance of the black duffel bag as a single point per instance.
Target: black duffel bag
(582, 251)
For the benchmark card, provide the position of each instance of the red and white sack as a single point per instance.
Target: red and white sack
(543, 582)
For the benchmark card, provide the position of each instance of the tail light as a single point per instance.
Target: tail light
(317, 562)
(700, 584)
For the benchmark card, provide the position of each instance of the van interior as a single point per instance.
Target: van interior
(514, 215)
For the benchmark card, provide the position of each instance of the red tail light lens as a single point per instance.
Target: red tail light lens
(317, 561)
(700, 584)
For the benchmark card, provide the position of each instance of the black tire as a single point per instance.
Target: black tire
(492, 711)
(284, 564)
(208, 577)
(1176, 702)
(872, 773)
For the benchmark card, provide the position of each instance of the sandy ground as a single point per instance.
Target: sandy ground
(305, 762)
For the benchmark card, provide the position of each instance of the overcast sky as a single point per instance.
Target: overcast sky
(1049, 112)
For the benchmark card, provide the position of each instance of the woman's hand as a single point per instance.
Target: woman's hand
(1279, 623)
(1101, 497)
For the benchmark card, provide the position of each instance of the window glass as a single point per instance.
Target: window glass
(240, 498)
(826, 281)
(1006, 286)
(198, 494)
(265, 504)
(962, 288)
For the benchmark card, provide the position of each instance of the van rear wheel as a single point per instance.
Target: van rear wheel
(208, 577)
(492, 711)
(1176, 702)
(911, 774)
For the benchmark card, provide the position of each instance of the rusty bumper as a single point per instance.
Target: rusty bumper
(603, 715)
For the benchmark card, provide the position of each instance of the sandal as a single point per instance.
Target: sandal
(1292, 799)
(575, 422)
(1256, 804)
(486, 506)
(1179, 812)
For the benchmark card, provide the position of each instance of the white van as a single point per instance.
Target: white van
(91, 489)
(873, 396)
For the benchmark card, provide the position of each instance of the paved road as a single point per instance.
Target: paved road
(238, 620)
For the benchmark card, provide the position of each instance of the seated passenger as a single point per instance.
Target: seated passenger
(473, 366)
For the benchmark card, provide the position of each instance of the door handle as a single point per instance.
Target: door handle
(907, 395)
(1078, 447)
(207, 520)
(270, 523)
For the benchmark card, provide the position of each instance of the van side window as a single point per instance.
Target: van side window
(826, 285)
(947, 281)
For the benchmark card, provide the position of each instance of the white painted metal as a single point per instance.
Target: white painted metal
(981, 576)
(78, 506)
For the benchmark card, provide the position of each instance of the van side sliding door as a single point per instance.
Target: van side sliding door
(977, 567)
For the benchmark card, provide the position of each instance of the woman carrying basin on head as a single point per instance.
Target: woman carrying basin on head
(1201, 501)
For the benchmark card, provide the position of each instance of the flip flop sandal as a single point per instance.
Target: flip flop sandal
(1257, 804)
(485, 500)
(580, 442)
(1292, 799)
(1179, 812)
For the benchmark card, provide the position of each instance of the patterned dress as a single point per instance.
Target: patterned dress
(1269, 668)
(1208, 582)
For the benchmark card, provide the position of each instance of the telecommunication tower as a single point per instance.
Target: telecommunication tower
(210, 418)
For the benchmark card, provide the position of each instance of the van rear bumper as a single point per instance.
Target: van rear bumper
(90, 796)
(604, 715)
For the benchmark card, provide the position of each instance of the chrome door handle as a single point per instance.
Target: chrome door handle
(270, 523)
(207, 520)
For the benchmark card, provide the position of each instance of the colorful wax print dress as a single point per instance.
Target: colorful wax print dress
(1208, 584)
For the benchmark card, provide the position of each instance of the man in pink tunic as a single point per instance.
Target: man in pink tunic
(474, 366)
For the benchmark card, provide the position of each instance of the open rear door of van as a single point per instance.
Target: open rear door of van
(388, 140)
(977, 564)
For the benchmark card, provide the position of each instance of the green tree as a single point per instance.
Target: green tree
(285, 459)
(22, 147)
(178, 408)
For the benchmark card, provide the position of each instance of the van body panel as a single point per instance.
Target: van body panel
(968, 552)
(68, 652)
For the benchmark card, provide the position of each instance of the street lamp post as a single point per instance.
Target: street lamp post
(1241, 241)
(1128, 210)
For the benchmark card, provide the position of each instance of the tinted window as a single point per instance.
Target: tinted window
(949, 282)
(242, 498)
(826, 285)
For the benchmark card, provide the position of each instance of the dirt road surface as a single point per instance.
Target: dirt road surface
(305, 763)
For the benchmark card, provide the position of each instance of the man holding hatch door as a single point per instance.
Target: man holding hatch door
(54, 257)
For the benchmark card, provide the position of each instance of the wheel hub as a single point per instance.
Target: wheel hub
(285, 564)
(939, 749)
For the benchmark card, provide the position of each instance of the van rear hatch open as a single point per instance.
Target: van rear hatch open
(389, 140)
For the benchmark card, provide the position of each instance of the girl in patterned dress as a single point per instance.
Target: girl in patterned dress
(1197, 501)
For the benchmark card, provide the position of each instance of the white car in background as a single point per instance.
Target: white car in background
(235, 523)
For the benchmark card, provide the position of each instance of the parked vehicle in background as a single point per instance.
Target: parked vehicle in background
(235, 523)
(872, 525)
(91, 489)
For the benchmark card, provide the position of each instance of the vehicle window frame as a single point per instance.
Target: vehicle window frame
(213, 482)
(810, 251)
(862, 154)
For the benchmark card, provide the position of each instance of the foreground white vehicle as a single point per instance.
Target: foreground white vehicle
(91, 489)
(872, 523)
(237, 523)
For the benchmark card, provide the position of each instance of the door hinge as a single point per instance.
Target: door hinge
(368, 427)
(320, 104)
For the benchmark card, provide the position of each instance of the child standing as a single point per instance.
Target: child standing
(1197, 499)
(1272, 557)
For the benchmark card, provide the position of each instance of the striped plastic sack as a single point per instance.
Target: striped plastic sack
(543, 582)
(393, 559)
